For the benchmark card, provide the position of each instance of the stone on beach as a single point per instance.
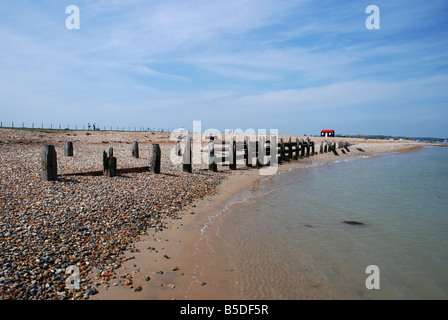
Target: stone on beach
(83, 221)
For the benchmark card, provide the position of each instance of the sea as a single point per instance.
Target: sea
(286, 237)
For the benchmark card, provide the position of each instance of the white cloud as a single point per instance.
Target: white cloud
(347, 94)
(152, 73)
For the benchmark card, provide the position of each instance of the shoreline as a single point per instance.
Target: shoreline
(194, 270)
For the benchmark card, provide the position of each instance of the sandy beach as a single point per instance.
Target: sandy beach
(135, 236)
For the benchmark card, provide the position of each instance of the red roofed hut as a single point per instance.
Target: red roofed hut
(327, 133)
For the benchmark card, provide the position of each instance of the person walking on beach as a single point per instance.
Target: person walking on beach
(94, 126)
(88, 125)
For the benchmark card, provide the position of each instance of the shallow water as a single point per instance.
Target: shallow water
(287, 240)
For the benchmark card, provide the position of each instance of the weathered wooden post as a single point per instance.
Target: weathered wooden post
(68, 151)
(245, 152)
(294, 150)
(297, 146)
(302, 149)
(112, 167)
(279, 154)
(212, 166)
(334, 149)
(223, 151)
(290, 149)
(282, 151)
(256, 147)
(308, 146)
(268, 152)
(239, 152)
(321, 150)
(232, 152)
(274, 158)
(109, 163)
(248, 152)
(105, 162)
(178, 148)
(154, 158)
(186, 159)
(305, 150)
(312, 148)
(135, 149)
(346, 147)
(257, 154)
(261, 152)
(49, 163)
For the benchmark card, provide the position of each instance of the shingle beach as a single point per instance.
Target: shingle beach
(84, 221)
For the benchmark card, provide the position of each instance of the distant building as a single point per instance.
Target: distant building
(327, 133)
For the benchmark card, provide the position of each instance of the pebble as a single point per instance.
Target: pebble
(88, 222)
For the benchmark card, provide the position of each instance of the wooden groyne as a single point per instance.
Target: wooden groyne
(230, 153)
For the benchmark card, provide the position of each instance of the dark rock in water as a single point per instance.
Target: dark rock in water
(308, 226)
(353, 222)
(362, 150)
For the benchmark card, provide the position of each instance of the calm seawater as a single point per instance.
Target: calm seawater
(288, 241)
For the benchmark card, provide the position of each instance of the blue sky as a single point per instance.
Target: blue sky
(296, 66)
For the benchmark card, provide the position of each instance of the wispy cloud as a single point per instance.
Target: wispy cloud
(190, 57)
(152, 73)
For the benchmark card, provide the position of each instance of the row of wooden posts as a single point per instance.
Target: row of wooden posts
(230, 153)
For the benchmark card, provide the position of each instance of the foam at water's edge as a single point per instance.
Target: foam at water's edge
(235, 200)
